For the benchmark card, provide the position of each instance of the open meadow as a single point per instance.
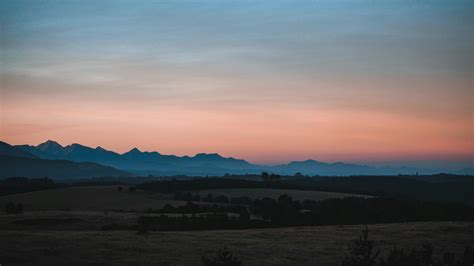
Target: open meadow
(324, 245)
(65, 226)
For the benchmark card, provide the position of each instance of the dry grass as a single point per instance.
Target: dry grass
(257, 193)
(74, 237)
(285, 246)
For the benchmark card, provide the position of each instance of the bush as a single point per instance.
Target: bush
(468, 257)
(361, 252)
(223, 258)
(143, 226)
(424, 257)
(11, 208)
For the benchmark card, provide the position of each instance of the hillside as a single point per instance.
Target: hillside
(58, 169)
(91, 199)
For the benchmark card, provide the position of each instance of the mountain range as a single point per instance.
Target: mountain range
(154, 163)
(15, 162)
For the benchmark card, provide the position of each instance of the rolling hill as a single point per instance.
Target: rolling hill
(58, 169)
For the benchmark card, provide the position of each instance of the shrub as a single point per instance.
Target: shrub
(361, 252)
(11, 208)
(223, 258)
(143, 226)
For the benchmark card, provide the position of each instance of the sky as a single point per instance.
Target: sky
(266, 81)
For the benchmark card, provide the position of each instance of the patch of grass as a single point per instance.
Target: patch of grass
(323, 245)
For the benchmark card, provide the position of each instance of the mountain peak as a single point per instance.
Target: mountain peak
(50, 143)
(77, 145)
(309, 161)
(50, 146)
(134, 150)
(208, 155)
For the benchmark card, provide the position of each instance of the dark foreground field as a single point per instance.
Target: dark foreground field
(159, 224)
(323, 245)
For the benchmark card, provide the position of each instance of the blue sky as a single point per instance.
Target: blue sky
(379, 61)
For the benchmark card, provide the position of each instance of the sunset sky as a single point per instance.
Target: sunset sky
(266, 81)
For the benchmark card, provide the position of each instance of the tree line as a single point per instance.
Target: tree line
(171, 186)
(210, 198)
(286, 212)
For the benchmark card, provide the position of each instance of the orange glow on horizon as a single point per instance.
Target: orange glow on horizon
(257, 134)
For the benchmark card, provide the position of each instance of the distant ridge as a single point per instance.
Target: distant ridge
(57, 169)
(8, 150)
(201, 164)
(15, 162)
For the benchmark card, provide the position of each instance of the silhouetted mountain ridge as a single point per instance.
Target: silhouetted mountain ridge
(57, 169)
(8, 150)
(155, 163)
(15, 162)
(142, 162)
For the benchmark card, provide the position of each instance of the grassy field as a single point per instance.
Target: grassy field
(91, 207)
(258, 193)
(63, 226)
(99, 198)
(284, 246)
(90, 199)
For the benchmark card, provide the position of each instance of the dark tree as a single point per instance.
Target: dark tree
(143, 226)
(361, 252)
(223, 258)
(208, 198)
(298, 174)
(10, 208)
(19, 208)
(244, 215)
(274, 177)
(196, 197)
(468, 257)
(168, 208)
(265, 176)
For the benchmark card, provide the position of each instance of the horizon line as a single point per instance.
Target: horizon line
(468, 159)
